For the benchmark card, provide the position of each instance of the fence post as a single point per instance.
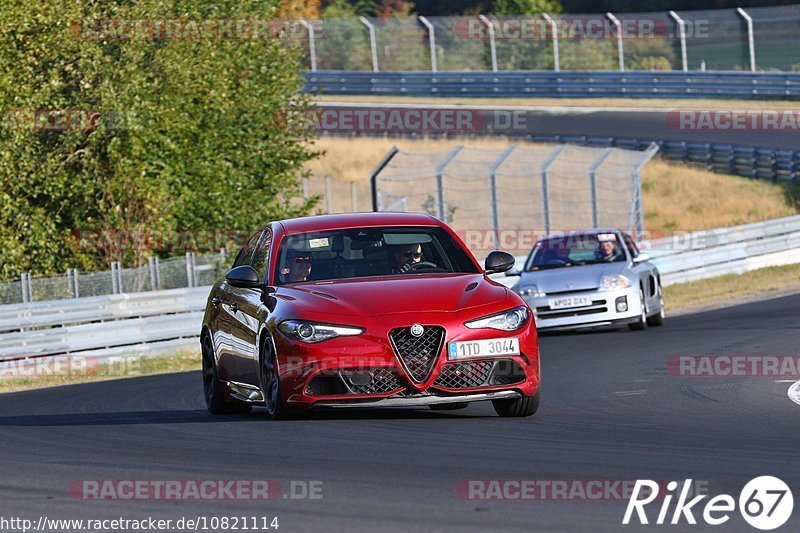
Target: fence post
(373, 42)
(373, 177)
(620, 47)
(155, 277)
(190, 281)
(492, 47)
(593, 183)
(493, 192)
(353, 197)
(72, 280)
(116, 278)
(431, 41)
(554, 29)
(328, 195)
(750, 41)
(25, 284)
(305, 188)
(682, 30)
(545, 198)
(440, 181)
(312, 48)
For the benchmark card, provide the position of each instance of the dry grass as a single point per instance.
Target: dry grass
(637, 103)
(676, 196)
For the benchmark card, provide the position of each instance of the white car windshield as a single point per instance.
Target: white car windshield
(575, 250)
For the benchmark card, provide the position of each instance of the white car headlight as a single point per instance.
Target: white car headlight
(532, 291)
(510, 320)
(610, 283)
(313, 332)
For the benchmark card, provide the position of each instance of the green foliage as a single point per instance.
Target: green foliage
(526, 7)
(189, 135)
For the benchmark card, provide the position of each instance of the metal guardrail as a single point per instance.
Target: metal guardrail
(549, 84)
(137, 323)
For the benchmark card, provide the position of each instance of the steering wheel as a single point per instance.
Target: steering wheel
(422, 264)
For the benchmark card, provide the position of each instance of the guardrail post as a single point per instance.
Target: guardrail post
(750, 41)
(493, 191)
(373, 177)
(492, 47)
(155, 275)
(431, 41)
(373, 42)
(554, 29)
(440, 181)
(593, 184)
(353, 197)
(328, 195)
(116, 278)
(545, 197)
(620, 47)
(25, 284)
(305, 188)
(312, 47)
(72, 282)
(682, 30)
(190, 279)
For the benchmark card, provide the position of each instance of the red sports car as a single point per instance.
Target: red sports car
(366, 310)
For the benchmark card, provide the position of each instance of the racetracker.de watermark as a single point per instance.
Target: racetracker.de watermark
(59, 120)
(734, 120)
(558, 489)
(728, 366)
(194, 489)
(172, 29)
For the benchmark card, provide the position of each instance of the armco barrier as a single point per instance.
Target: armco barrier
(549, 84)
(134, 324)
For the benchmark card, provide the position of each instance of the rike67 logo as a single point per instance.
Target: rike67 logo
(765, 503)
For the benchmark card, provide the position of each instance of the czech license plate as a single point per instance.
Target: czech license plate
(570, 301)
(482, 348)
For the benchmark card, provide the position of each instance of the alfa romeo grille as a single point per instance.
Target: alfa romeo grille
(383, 380)
(472, 374)
(418, 354)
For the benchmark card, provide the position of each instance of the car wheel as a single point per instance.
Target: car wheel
(642, 322)
(658, 318)
(525, 406)
(212, 388)
(449, 406)
(271, 385)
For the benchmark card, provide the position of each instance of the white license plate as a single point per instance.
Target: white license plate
(482, 348)
(570, 301)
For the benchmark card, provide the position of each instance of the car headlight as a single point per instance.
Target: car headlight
(313, 332)
(610, 283)
(531, 291)
(510, 320)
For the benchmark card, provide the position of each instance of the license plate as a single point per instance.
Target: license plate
(570, 301)
(482, 348)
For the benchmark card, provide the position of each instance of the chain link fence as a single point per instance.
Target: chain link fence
(723, 39)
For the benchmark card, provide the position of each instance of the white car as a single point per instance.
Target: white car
(591, 278)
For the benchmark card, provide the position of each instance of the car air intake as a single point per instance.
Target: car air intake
(417, 353)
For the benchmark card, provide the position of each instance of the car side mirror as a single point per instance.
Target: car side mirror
(641, 258)
(243, 277)
(498, 261)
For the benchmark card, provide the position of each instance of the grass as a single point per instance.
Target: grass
(675, 196)
(684, 297)
(624, 103)
(764, 282)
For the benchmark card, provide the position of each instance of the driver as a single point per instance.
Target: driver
(607, 251)
(406, 256)
(297, 266)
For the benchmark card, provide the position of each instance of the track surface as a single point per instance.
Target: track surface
(609, 122)
(396, 470)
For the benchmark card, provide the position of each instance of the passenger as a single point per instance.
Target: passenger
(607, 251)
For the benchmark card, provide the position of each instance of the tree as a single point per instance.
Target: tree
(167, 130)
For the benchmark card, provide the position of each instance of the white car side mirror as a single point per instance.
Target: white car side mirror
(641, 258)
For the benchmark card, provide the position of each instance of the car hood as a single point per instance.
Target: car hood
(574, 278)
(376, 296)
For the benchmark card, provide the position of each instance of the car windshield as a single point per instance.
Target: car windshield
(575, 250)
(357, 253)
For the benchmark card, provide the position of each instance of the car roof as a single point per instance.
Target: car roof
(356, 220)
(576, 233)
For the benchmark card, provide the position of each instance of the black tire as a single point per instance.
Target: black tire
(212, 388)
(658, 318)
(525, 406)
(271, 385)
(449, 406)
(640, 324)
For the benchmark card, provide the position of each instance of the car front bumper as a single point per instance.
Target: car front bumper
(602, 311)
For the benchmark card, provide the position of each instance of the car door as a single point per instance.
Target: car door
(645, 273)
(230, 335)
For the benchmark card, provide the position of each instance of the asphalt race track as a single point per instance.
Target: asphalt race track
(610, 411)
